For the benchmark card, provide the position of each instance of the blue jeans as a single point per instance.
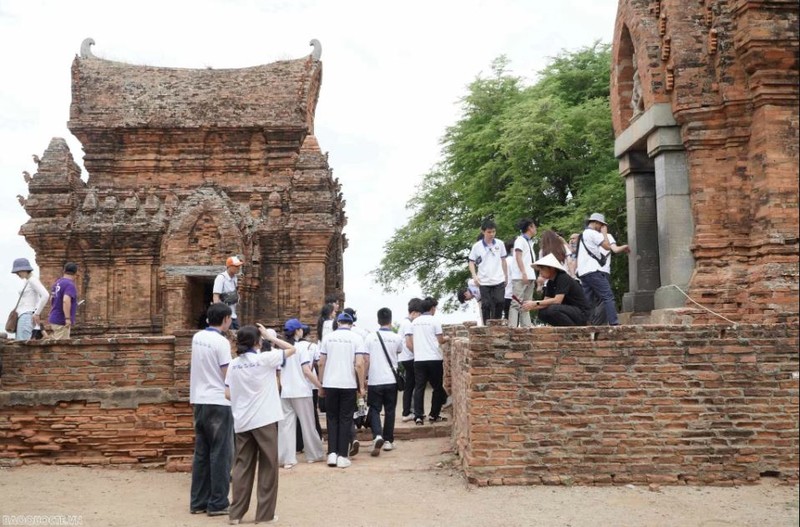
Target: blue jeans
(596, 286)
(24, 326)
(213, 456)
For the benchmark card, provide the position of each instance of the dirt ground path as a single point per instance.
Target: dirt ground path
(414, 485)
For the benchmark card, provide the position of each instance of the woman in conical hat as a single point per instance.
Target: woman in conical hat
(564, 303)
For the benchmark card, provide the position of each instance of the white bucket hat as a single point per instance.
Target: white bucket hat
(598, 217)
(549, 261)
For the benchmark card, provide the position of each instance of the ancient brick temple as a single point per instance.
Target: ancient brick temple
(186, 167)
(705, 110)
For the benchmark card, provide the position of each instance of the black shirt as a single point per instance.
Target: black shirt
(564, 284)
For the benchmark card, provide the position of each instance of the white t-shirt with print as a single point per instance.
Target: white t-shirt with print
(340, 349)
(225, 283)
(293, 382)
(255, 401)
(524, 247)
(591, 243)
(425, 329)
(489, 261)
(313, 351)
(379, 370)
(210, 352)
(403, 330)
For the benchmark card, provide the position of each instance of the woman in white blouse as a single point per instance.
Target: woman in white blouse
(32, 299)
(252, 387)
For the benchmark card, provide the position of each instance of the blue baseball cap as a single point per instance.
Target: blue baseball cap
(293, 325)
(345, 317)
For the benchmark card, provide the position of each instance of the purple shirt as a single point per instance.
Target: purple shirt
(63, 287)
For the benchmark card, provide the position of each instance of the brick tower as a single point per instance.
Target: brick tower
(186, 167)
(704, 99)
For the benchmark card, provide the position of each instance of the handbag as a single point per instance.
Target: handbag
(11, 321)
(401, 382)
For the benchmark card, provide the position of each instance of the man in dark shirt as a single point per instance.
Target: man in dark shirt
(564, 303)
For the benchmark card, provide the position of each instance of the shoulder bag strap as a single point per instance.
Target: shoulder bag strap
(20, 294)
(588, 251)
(386, 353)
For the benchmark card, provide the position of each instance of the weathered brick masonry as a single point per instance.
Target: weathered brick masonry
(121, 400)
(670, 405)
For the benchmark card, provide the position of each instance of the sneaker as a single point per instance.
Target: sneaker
(376, 446)
(223, 512)
(198, 511)
(287, 466)
(332, 459)
(418, 421)
(343, 462)
(448, 403)
(273, 520)
(388, 446)
(437, 419)
(354, 447)
(407, 418)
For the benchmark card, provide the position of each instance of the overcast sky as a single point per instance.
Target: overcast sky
(392, 80)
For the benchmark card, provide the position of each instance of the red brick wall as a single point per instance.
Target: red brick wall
(734, 93)
(638, 404)
(121, 400)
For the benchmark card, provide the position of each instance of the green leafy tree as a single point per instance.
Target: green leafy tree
(543, 151)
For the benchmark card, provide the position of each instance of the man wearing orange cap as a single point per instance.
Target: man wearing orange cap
(226, 287)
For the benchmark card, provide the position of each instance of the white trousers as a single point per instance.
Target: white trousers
(293, 409)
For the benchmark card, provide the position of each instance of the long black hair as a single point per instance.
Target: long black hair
(324, 314)
(247, 338)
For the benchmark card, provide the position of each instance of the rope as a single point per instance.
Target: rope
(702, 306)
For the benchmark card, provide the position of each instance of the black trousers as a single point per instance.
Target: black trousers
(408, 393)
(429, 371)
(561, 315)
(339, 404)
(382, 397)
(492, 301)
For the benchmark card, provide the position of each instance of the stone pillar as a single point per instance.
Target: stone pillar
(675, 222)
(643, 272)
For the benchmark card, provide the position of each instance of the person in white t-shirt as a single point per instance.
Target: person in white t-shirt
(341, 369)
(383, 348)
(297, 379)
(487, 265)
(471, 292)
(407, 357)
(213, 420)
(425, 342)
(252, 387)
(523, 277)
(226, 287)
(591, 262)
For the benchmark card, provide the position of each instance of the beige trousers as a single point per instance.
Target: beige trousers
(255, 447)
(59, 332)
